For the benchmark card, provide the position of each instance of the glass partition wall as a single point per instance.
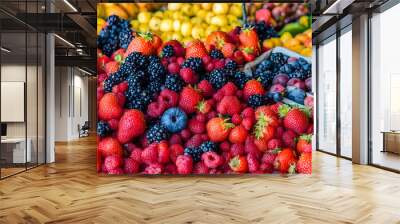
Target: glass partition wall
(22, 77)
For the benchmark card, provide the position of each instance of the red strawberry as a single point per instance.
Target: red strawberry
(217, 39)
(196, 126)
(196, 48)
(109, 107)
(136, 155)
(211, 159)
(248, 123)
(173, 68)
(249, 53)
(238, 135)
(200, 168)
(253, 163)
(188, 100)
(194, 141)
(274, 144)
(238, 57)
(248, 37)
(294, 119)
(141, 43)
(228, 49)
(204, 107)
(163, 152)
(175, 139)
(111, 67)
(304, 164)
(229, 105)
(110, 146)
(131, 166)
(304, 144)
(112, 162)
(237, 149)
(118, 55)
(170, 97)
(239, 164)
(229, 89)
(205, 88)
(264, 131)
(275, 107)
(175, 150)
(100, 93)
(131, 125)
(252, 87)
(188, 75)
(285, 161)
(236, 119)
(250, 147)
(218, 129)
(153, 169)
(101, 62)
(289, 139)
(150, 154)
(184, 164)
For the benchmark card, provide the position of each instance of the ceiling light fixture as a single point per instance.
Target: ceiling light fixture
(64, 40)
(70, 5)
(84, 71)
(5, 50)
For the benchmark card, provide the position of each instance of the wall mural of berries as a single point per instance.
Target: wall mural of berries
(221, 101)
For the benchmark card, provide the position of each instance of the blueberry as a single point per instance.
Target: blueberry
(296, 94)
(277, 97)
(174, 119)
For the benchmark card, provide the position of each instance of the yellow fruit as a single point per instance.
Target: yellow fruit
(196, 20)
(304, 21)
(268, 43)
(176, 36)
(276, 41)
(219, 20)
(286, 36)
(236, 10)
(101, 11)
(143, 27)
(100, 24)
(225, 28)
(220, 8)
(292, 43)
(197, 32)
(208, 17)
(130, 8)
(166, 25)
(135, 24)
(231, 18)
(174, 6)
(186, 29)
(306, 52)
(187, 9)
(176, 25)
(114, 9)
(158, 14)
(201, 14)
(196, 8)
(207, 6)
(210, 29)
(144, 17)
(154, 23)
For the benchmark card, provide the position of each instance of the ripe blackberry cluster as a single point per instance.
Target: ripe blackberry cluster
(299, 69)
(216, 54)
(174, 82)
(266, 78)
(157, 133)
(240, 78)
(218, 78)
(134, 60)
(103, 129)
(208, 146)
(256, 100)
(112, 80)
(157, 74)
(117, 34)
(138, 98)
(278, 59)
(265, 31)
(167, 51)
(196, 64)
(231, 65)
(194, 152)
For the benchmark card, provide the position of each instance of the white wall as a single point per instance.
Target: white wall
(71, 102)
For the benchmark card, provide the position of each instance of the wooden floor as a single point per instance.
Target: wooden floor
(70, 191)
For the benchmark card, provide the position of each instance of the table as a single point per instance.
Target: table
(391, 141)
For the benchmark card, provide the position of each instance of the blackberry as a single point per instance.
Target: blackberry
(266, 78)
(240, 78)
(194, 152)
(265, 31)
(103, 129)
(216, 54)
(135, 60)
(256, 100)
(278, 59)
(117, 34)
(218, 78)
(155, 86)
(125, 37)
(174, 83)
(196, 64)
(112, 80)
(154, 59)
(135, 79)
(167, 51)
(109, 47)
(157, 133)
(231, 65)
(113, 20)
(265, 65)
(156, 71)
(208, 146)
(138, 99)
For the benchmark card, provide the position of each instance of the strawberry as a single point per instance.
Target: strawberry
(205, 88)
(184, 164)
(204, 106)
(228, 49)
(218, 129)
(239, 164)
(153, 169)
(188, 99)
(274, 144)
(109, 107)
(253, 163)
(285, 161)
(294, 119)
(131, 166)
(200, 168)
(131, 125)
(175, 150)
(249, 54)
(229, 89)
(163, 152)
(304, 164)
(250, 147)
(156, 109)
(111, 67)
(169, 97)
(238, 135)
(136, 154)
(217, 39)
(196, 48)
(263, 131)
(211, 159)
(150, 154)
(248, 123)
(118, 55)
(112, 162)
(289, 138)
(156, 41)
(252, 87)
(229, 105)
(248, 37)
(196, 126)
(237, 149)
(304, 144)
(188, 75)
(143, 43)
(238, 57)
(110, 146)
(101, 62)
(266, 113)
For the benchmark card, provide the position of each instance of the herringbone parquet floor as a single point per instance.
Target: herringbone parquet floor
(70, 191)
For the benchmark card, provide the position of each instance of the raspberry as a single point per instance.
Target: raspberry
(248, 123)
(267, 168)
(194, 141)
(136, 155)
(205, 88)
(175, 150)
(211, 159)
(225, 146)
(201, 117)
(116, 171)
(175, 139)
(188, 75)
(237, 149)
(156, 109)
(173, 68)
(185, 134)
(170, 169)
(169, 97)
(154, 168)
(184, 164)
(236, 119)
(196, 127)
(211, 115)
(163, 152)
(248, 112)
(150, 154)
(218, 96)
(229, 89)
(279, 132)
(274, 143)
(251, 148)
(252, 162)
(131, 166)
(269, 158)
(200, 168)
(112, 162)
